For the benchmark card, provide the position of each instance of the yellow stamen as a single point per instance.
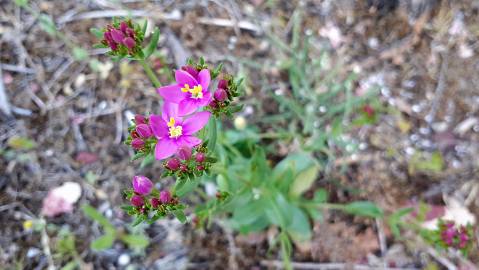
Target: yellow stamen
(172, 122)
(197, 92)
(176, 132)
(186, 88)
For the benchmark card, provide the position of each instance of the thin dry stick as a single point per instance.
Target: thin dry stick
(328, 266)
(442, 260)
(4, 104)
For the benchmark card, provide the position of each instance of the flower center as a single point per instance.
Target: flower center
(196, 92)
(175, 131)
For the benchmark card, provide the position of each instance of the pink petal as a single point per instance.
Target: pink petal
(172, 93)
(165, 148)
(204, 78)
(195, 122)
(187, 106)
(168, 110)
(190, 141)
(183, 77)
(206, 99)
(158, 126)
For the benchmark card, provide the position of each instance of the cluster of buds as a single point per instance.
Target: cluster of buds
(145, 199)
(188, 163)
(224, 95)
(123, 38)
(369, 111)
(453, 236)
(140, 136)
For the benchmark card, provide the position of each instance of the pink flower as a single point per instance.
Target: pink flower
(189, 92)
(142, 185)
(140, 119)
(61, 199)
(172, 131)
(165, 196)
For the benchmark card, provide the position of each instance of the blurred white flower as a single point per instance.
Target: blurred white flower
(61, 199)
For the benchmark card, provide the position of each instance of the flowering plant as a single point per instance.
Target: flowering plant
(177, 135)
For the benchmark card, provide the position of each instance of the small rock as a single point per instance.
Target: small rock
(124, 259)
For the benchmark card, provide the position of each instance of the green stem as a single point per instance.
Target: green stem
(150, 73)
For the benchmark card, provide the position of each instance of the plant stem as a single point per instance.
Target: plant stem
(150, 73)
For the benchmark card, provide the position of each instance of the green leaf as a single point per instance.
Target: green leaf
(395, 219)
(103, 242)
(144, 27)
(138, 220)
(153, 43)
(320, 196)
(180, 215)
(72, 265)
(47, 24)
(364, 208)
(92, 213)
(186, 188)
(212, 134)
(249, 213)
(304, 181)
(21, 143)
(21, 3)
(300, 227)
(79, 54)
(136, 240)
(147, 161)
(96, 32)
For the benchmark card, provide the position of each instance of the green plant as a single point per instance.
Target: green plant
(260, 196)
(135, 241)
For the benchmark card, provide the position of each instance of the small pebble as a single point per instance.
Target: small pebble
(124, 259)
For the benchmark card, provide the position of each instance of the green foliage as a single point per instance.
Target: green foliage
(21, 143)
(151, 47)
(423, 162)
(134, 241)
(364, 208)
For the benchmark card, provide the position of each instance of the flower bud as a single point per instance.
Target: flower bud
(220, 94)
(191, 70)
(184, 152)
(165, 196)
(200, 167)
(117, 35)
(123, 27)
(200, 157)
(223, 84)
(107, 37)
(130, 32)
(137, 143)
(173, 164)
(137, 200)
(368, 110)
(144, 130)
(129, 42)
(142, 184)
(140, 119)
(155, 202)
(213, 104)
(183, 168)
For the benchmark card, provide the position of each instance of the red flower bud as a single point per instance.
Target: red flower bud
(220, 94)
(140, 119)
(173, 164)
(137, 200)
(144, 130)
(223, 84)
(191, 70)
(200, 157)
(368, 110)
(213, 104)
(184, 152)
(117, 35)
(155, 202)
(134, 134)
(183, 168)
(123, 27)
(200, 167)
(165, 196)
(130, 32)
(137, 143)
(129, 42)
